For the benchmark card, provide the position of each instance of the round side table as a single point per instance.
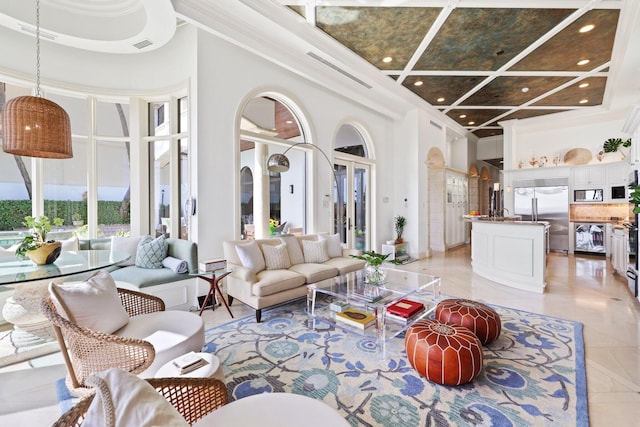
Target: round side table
(212, 369)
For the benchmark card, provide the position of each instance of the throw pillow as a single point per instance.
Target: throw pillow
(128, 245)
(71, 244)
(93, 304)
(122, 399)
(250, 256)
(293, 247)
(315, 251)
(334, 246)
(151, 252)
(6, 252)
(276, 257)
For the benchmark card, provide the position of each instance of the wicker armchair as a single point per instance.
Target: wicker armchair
(192, 397)
(86, 351)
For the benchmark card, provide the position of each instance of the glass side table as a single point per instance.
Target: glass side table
(213, 278)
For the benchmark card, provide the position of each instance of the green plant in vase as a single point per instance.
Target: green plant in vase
(634, 197)
(373, 272)
(399, 223)
(35, 245)
(612, 145)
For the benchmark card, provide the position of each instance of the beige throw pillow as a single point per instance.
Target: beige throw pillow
(124, 400)
(334, 246)
(250, 256)
(276, 257)
(71, 244)
(93, 304)
(315, 251)
(128, 245)
(293, 248)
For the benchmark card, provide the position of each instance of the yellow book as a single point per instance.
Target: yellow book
(357, 318)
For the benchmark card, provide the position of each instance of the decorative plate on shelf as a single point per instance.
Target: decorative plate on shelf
(578, 156)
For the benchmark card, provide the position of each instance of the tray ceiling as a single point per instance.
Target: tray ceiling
(478, 64)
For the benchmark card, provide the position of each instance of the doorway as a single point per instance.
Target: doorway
(352, 207)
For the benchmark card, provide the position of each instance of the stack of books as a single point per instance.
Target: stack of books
(207, 266)
(404, 310)
(357, 318)
(189, 363)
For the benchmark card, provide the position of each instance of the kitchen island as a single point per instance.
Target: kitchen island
(512, 253)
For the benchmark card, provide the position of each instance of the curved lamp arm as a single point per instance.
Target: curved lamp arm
(279, 162)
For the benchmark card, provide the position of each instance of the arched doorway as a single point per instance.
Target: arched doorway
(352, 166)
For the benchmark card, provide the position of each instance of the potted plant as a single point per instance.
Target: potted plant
(399, 222)
(77, 219)
(35, 245)
(612, 145)
(374, 260)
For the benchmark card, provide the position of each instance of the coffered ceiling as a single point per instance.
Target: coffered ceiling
(481, 62)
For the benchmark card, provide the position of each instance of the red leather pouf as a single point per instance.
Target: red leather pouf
(444, 354)
(483, 320)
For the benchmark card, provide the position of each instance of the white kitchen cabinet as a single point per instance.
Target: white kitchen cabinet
(618, 174)
(588, 177)
(449, 202)
(619, 250)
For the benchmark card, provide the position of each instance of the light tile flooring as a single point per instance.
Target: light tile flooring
(579, 288)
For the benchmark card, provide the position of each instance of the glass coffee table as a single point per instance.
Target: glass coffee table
(352, 290)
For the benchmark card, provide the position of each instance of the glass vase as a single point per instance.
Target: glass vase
(374, 274)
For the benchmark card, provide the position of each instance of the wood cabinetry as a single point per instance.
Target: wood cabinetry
(449, 202)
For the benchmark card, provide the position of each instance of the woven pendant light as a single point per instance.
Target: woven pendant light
(33, 126)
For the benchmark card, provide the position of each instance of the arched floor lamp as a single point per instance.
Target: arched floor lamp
(279, 162)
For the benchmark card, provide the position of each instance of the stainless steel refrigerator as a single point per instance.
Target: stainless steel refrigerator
(545, 200)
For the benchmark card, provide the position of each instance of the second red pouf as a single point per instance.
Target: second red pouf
(483, 320)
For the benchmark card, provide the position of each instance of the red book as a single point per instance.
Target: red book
(405, 308)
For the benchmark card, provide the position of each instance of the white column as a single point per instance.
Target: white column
(261, 191)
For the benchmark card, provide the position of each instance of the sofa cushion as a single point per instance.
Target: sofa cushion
(250, 256)
(293, 247)
(334, 245)
(276, 257)
(128, 245)
(274, 281)
(70, 244)
(315, 272)
(185, 250)
(315, 251)
(92, 304)
(151, 252)
(345, 265)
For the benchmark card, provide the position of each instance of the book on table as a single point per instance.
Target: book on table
(405, 308)
(357, 318)
(189, 362)
(404, 320)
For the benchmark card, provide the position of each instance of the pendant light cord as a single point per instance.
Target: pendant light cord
(38, 48)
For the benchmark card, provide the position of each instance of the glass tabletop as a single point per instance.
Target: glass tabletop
(13, 270)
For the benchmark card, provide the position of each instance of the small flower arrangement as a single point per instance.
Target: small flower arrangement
(273, 223)
(39, 226)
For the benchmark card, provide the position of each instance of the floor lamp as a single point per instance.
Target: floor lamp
(280, 163)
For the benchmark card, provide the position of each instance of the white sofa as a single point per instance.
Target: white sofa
(262, 286)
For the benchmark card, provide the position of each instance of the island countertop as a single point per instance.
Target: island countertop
(512, 253)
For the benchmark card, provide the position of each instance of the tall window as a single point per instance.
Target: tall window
(169, 167)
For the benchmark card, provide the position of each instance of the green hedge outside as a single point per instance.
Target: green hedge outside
(12, 212)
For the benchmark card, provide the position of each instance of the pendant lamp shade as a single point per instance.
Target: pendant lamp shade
(36, 127)
(278, 163)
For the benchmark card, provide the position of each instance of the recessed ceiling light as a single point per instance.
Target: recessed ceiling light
(441, 99)
(583, 62)
(525, 89)
(462, 116)
(584, 101)
(587, 28)
(472, 123)
(387, 59)
(583, 85)
(418, 83)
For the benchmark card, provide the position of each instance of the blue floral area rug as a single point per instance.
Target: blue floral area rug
(533, 374)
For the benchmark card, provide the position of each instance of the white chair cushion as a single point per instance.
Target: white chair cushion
(251, 256)
(172, 334)
(70, 244)
(129, 401)
(276, 257)
(334, 246)
(93, 304)
(293, 247)
(315, 251)
(128, 245)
